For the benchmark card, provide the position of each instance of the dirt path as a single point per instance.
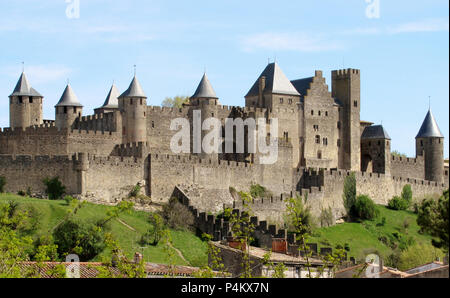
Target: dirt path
(125, 224)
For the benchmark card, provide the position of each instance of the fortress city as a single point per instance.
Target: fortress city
(320, 140)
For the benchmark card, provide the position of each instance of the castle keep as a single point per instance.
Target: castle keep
(321, 139)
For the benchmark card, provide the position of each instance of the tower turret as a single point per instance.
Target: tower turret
(204, 100)
(25, 105)
(375, 150)
(346, 88)
(133, 108)
(68, 109)
(430, 144)
(111, 103)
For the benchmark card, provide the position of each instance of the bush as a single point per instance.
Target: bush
(2, 184)
(155, 233)
(258, 191)
(21, 193)
(397, 203)
(69, 199)
(177, 216)
(79, 237)
(365, 208)
(135, 191)
(349, 195)
(417, 255)
(54, 188)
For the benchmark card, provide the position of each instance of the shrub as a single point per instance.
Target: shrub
(69, 199)
(21, 193)
(29, 192)
(258, 191)
(135, 191)
(54, 188)
(397, 203)
(2, 184)
(349, 195)
(177, 216)
(80, 237)
(365, 208)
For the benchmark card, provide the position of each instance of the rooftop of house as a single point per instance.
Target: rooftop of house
(90, 269)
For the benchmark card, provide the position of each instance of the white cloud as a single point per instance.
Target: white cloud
(430, 25)
(40, 74)
(288, 42)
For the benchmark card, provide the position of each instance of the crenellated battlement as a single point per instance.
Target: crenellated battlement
(345, 72)
(407, 160)
(134, 149)
(191, 160)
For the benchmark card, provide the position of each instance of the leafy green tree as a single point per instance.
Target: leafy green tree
(127, 268)
(398, 154)
(175, 102)
(433, 217)
(155, 233)
(417, 255)
(349, 195)
(54, 188)
(365, 208)
(298, 217)
(407, 194)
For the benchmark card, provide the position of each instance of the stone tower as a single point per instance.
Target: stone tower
(133, 108)
(204, 100)
(68, 109)
(346, 88)
(430, 142)
(274, 92)
(375, 150)
(25, 105)
(111, 103)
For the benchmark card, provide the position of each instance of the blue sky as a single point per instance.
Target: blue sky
(403, 54)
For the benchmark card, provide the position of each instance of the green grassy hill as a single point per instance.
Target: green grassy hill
(370, 236)
(127, 229)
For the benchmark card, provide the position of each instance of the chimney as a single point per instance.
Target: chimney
(262, 86)
(138, 257)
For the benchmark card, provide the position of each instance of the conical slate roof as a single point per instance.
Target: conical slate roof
(69, 99)
(276, 82)
(134, 90)
(23, 88)
(204, 89)
(375, 132)
(429, 128)
(112, 98)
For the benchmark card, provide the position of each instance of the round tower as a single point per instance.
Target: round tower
(68, 109)
(430, 144)
(133, 108)
(205, 101)
(25, 105)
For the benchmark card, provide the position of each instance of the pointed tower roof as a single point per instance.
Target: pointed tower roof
(69, 99)
(276, 82)
(23, 88)
(204, 89)
(134, 90)
(112, 98)
(375, 132)
(429, 128)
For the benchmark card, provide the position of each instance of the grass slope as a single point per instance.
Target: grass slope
(52, 212)
(363, 237)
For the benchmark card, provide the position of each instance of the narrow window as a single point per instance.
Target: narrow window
(31, 99)
(319, 113)
(281, 100)
(290, 100)
(319, 154)
(312, 112)
(421, 143)
(326, 113)
(317, 139)
(339, 143)
(339, 125)
(74, 110)
(20, 99)
(65, 110)
(153, 124)
(355, 104)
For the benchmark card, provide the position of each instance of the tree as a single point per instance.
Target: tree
(349, 195)
(365, 208)
(398, 154)
(175, 102)
(177, 216)
(155, 233)
(433, 217)
(54, 188)
(407, 194)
